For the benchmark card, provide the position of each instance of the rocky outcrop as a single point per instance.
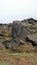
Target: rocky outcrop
(23, 34)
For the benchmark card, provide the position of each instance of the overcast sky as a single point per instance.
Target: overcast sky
(17, 10)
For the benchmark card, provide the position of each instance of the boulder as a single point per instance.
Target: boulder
(33, 39)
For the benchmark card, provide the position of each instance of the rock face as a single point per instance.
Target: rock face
(16, 31)
(19, 32)
(23, 34)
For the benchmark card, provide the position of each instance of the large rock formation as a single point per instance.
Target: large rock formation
(25, 32)
(24, 35)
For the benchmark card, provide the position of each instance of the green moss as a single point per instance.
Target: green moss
(5, 38)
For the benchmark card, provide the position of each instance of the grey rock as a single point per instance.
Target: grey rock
(33, 39)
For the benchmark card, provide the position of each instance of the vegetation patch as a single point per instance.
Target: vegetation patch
(2, 63)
